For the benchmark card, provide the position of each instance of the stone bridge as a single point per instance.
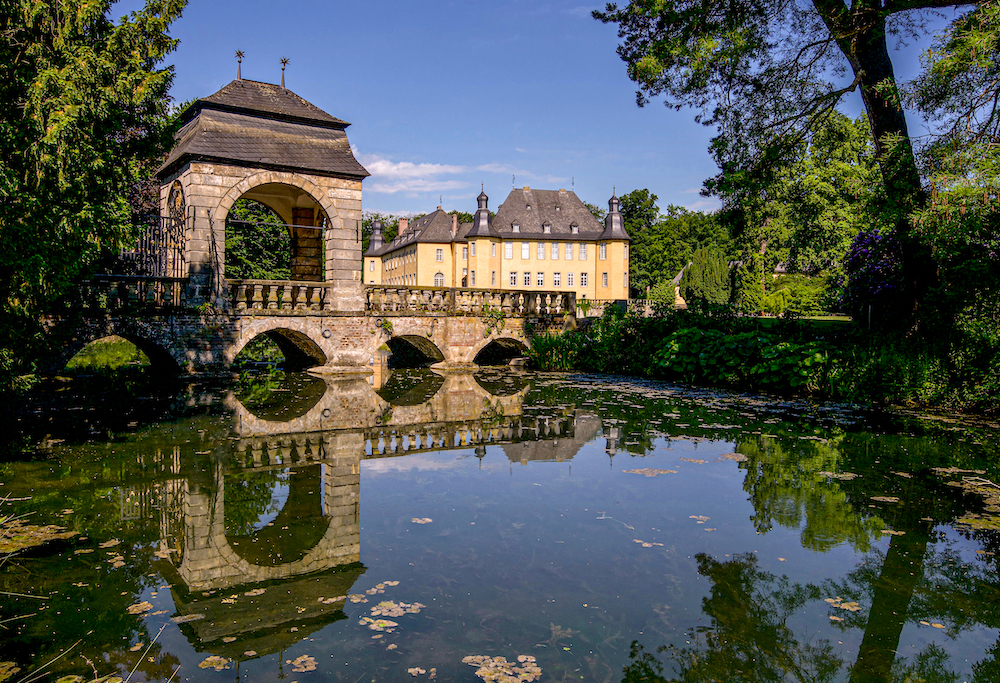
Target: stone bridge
(450, 327)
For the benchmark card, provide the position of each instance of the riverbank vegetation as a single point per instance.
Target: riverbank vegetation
(820, 358)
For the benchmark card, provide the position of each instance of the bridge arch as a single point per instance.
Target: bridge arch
(162, 357)
(300, 349)
(498, 350)
(426, 349)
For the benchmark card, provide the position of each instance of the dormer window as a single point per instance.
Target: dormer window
(557, 208)
(575, 229)
(529, 207)
(516, 227)
(547, 228)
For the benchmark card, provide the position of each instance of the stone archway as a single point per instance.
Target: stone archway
(424, 347)
(304, 208)
(301, 347)
(163, 355)
(504, 347)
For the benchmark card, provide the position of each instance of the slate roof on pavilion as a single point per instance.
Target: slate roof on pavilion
(532, 209)
(248, 123)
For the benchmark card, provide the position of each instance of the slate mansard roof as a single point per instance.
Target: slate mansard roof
(263, 125)
(532, 209)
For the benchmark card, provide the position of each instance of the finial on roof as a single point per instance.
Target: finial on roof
(239, 65)
(284, 63)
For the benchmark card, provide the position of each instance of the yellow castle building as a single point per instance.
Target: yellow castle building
(539, 240)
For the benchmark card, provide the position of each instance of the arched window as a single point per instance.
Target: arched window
(439, 279)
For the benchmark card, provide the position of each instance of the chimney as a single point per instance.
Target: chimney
(404, 223)
(527, 189)
(454, 224)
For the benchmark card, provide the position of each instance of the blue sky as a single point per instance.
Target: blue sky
(446, 95)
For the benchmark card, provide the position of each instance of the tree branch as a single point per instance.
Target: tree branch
(893, 6)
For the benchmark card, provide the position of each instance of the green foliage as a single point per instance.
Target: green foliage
(85, 120)
(258, 245)
(110, 353)
(554, 351)
(750, 298)
(806, 295)
(744, 360)
(662, 244)
(706, 279)
(778, 301)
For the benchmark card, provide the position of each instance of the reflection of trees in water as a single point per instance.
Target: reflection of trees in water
(789, 483)
(501, 382)
(273, 394)
(411, 387)
(250, 497)
(918, 578)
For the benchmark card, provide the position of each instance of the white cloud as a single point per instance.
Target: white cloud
(691, 190)
(408, 463)
(416, 186)
(704, 205)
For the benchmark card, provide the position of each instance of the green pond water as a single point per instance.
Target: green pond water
(408, 526)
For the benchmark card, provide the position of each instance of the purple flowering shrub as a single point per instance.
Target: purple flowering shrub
(873, 271)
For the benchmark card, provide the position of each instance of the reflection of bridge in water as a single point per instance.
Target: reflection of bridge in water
(225, 528)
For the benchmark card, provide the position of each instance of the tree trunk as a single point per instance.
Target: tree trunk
(861, 36)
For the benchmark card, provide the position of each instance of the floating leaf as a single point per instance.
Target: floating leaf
(649, 471)
(228, 639)
(421, 520)
(139, 608)
(215, 662)
(185, 618)
(303, 663)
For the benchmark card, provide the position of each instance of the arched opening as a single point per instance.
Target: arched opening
(279, 396)
(500, 352)
(412, 351)
(501, 381)
(290, 349)
(121, 353)
(275, 517)
(276, 233)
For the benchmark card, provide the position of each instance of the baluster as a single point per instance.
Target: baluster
(168, 294)
(286, 297)
(258, 296)
(302, 300)
(506, 303)
(548, 304)
(315, 298)
(241, 296)
(272, 297)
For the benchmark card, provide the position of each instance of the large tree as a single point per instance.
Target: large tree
(765, 72)
(84, 119)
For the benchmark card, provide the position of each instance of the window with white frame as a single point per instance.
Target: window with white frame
(472, 249)
(574, 229)
(540, 279)
(556, 280)
(604, 279)
(493, 278)
(465, 253)
(508, 250)
(569, 279)
(525, 251)
(513, 278)
(527, 278)
(604, 252)
(493, 249)
(583, 252)
(371, 265)
(439, 255)
(439, 279)
(472, 278)
(546, 228)
(555, 251)
(540, 251)
(583, 279)
(569, 251)
(515, 227)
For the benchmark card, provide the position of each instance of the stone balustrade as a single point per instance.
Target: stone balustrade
(278, 296)
(401, 300)
(123, 292)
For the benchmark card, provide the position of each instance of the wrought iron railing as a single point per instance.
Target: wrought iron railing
(158, 251)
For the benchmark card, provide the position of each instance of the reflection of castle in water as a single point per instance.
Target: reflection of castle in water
(306, 552)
